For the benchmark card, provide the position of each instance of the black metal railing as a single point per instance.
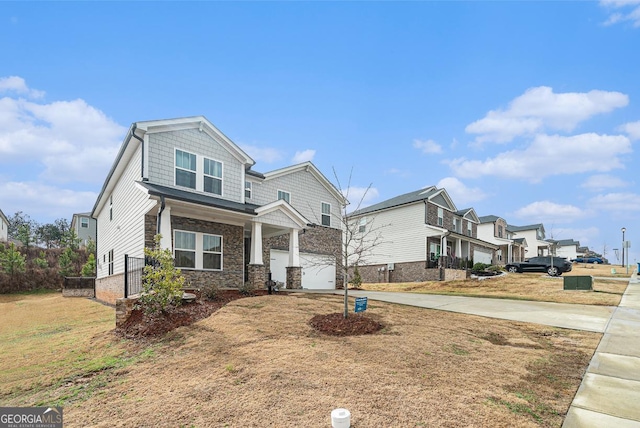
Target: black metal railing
(133, 271)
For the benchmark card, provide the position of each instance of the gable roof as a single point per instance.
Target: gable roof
(489, 219)
(512, 228)
(309, 167)
(565, 242)
(469, 214)
(137, 130)
(6, 220)
(427, 193)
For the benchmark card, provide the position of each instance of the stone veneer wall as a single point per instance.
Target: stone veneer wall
(402, 272)
(124, 307)
(314, 240)
(110, 288)
(232, 273)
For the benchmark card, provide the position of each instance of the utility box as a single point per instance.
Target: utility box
(578, 282)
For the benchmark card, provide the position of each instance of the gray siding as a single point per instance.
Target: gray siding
(278, 218)
(162, 160)
(307, 194)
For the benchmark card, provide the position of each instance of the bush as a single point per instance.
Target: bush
(247, 288)
(12, 261)
(41, 261)
(89, 268)
(210, 291)
(162, 282)
(478, 267)
(495, 268)
(356, 281)
(67, 262)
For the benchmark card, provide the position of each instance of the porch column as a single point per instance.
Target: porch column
(256, 244)
(165, 229)
(294, 271)
(510, 253)
(459, 248)
(294, 249)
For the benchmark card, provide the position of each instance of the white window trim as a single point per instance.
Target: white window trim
(212, 176)
(200, 250)
(175, 155)
(469, 229)
(362, 227)
(278, 191)
(322, 214)
(440, 216)
(84, 223)
(248, 185)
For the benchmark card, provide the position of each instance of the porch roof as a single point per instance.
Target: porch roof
(196, 198)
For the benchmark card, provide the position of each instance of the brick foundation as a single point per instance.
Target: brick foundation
(110, 288)
(294, 278)
(402, 272)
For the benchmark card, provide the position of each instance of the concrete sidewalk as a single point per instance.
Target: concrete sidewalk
(609, 395)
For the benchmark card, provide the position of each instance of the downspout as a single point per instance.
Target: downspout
(160, 214)
(133, 133)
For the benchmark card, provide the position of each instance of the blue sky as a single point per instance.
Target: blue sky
(526, 110)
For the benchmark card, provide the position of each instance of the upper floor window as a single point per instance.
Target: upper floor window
(248, 187)
(499, 231)
(469, 229)
(84, 222)
(363, 225)
(326, 214)
(110, 207)
(284, 195)
(212, 176)
(457, 225)
(185, 169)
(440, 216)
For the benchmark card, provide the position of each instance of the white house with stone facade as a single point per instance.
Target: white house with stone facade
(224, 222)
(421, 235)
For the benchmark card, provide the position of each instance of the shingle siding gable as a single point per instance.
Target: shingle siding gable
(161, 152)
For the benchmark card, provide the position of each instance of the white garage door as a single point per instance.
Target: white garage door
(318, 272)
(482, 256)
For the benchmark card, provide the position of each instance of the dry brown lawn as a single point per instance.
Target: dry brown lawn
(257, 363)
(607, 290)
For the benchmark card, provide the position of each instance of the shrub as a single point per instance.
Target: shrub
(89, 268)
(247, 288)
(41, 261)
(479, 267)
(356, 281)
(495, 268)
(66, 263)
(162, 282)
(12, 261)
(210, 291)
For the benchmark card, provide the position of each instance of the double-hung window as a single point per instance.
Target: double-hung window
(185, 249)
(284, 195)
(363, 225)
(499, 231)
(248, 186)
(212, 252)
(469, 229)
(110, 265)
(84, 222)
(440, 216)
(326, 214)
(212, 176)
(185, 169)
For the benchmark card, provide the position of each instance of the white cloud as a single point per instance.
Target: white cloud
(547, 211)
(360, 197)
(540, 109)
(632, 129)
(625, 10)
(460, 193)
(427, 146)
(624, 203)
(600, 182)
(262, 154)
(398, 172)
(304, 156)
(41, 200)
(73, 140)
(551, 155)
(18, 85)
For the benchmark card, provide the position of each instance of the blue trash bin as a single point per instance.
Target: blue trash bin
(638, 271)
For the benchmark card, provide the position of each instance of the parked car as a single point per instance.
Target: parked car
(541, 264)
(594, 260)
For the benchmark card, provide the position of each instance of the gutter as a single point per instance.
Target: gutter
(160, 214)
(133, 134)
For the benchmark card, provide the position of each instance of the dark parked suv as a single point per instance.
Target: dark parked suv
(541, 264)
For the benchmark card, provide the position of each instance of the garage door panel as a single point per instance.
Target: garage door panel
(480, 256)
(318, 271)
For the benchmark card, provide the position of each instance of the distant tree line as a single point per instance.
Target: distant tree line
(29, 232)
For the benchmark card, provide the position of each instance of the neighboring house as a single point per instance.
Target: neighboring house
(419, 232)
(224, 222)
(85, 227)
(4, 228)
(494, 229)
(566, 248)
(534, 237)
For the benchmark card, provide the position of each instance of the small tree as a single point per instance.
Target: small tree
(89, 268)
(356, 281)
(12, 261)
(162, 282)
(67, 261)
(41, 261)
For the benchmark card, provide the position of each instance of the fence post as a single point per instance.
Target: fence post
(126, 275)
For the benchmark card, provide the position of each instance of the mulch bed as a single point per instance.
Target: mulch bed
(140, 325)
